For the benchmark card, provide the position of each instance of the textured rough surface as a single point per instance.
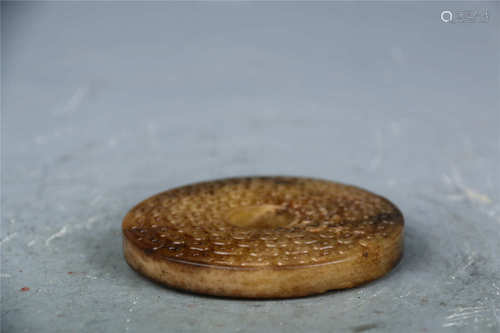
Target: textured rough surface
(104, 104)
(279, 236)
(326, 221)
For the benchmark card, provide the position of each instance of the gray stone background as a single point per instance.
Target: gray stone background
(106, 103)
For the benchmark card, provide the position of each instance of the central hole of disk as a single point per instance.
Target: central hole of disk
(260, 216)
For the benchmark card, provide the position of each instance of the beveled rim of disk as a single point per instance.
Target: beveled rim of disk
(263, 237)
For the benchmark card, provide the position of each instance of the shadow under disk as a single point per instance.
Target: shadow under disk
(105, 253)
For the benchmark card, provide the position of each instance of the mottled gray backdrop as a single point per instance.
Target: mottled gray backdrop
(106, 103)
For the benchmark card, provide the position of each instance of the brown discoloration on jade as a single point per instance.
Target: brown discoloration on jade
(264, 237)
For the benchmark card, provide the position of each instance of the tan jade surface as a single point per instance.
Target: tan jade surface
(263, 237)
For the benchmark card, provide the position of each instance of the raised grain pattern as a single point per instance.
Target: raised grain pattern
(263, 223)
